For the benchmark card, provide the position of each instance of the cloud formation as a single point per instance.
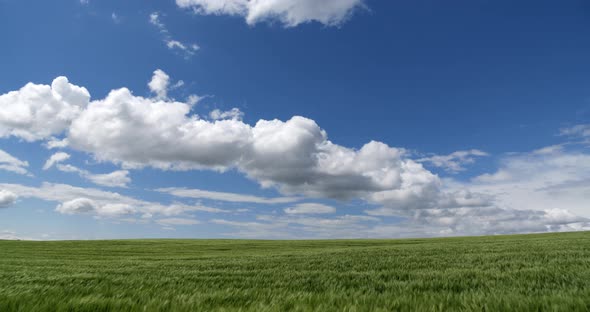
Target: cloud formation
(118, 178)
(296, 157)
(7, 198)
(288, 12)
(177, 221)
(78, 200)
(187, 49)
(38, 112)
(581, 130)
(310, 208)
(224, 196)
(159, 84)
(89, 206)
(454, 162)
(13, 164)
(56, 159)
(545, 179)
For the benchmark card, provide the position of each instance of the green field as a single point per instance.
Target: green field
(548, 272)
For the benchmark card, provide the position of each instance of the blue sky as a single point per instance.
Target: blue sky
(418, 118)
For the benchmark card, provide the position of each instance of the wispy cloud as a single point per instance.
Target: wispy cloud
(186, 49)
(227, 197)
(13, 164)
(91, 201)
(454, 162)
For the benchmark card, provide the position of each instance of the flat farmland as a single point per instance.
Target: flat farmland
(544, 272)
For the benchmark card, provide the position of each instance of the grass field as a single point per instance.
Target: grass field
(548, 272)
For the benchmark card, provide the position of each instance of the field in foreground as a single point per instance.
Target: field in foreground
(525, 273)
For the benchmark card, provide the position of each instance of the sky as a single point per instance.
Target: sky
(293, 119)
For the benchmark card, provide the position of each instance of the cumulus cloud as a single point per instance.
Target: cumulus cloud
(186, 49)
(77, 206)
(56, 159)
(224, 196)
(454, 162)
(7, 198)
(159, 84)
(145, 132)
(296, 157)
(37, 112)
(310, 208)
(13, 164)
(89, 206)
(289, 12)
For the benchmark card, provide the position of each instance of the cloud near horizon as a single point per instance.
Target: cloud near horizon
(293, 156)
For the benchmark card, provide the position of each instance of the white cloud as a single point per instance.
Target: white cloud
(549, 149)
(582, 130)
(297, 226)
(454, 162)
(77, 200)
(177, 85)
(177, 221)
(140, 132)
(545, 190)
(119, 178)
(7, 198)
(37, 112)
(553, 179)
(234, 113)
(223, 196)
(13, 164)
(289, 12)
(84, 2)
(56, 159)
(188, 50)
(88, 206)
(56, 143)
(9, 235)
(159, 84)
(295, 155)
(194, 99)
(155, 20)
(77, 206)
(530, 192)
(420, 223)
(310, 208)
